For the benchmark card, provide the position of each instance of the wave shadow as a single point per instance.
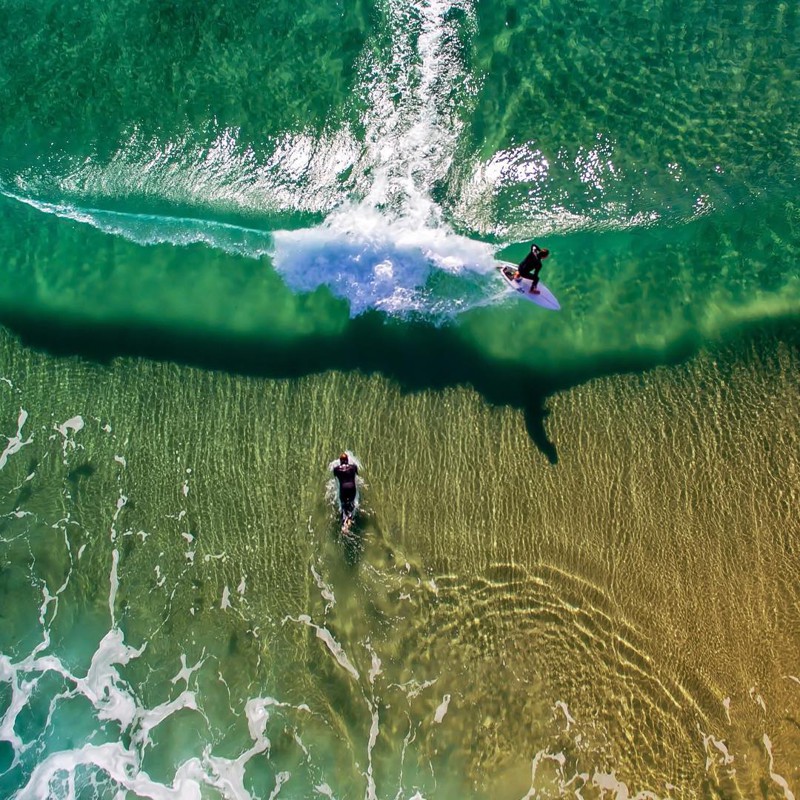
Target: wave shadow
(416, 355)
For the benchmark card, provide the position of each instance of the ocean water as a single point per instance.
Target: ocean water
(238, 238)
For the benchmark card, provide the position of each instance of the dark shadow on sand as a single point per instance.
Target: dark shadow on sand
(416, 355)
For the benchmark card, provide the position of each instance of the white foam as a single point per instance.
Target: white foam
(336, 650)
(152, 229)
(148, 719)
(608, 782)
(563, 706)
(113, 700)
(123, 764)
(185, 672)
(414, 116)
(382, 252)
(442, 709)
(16, 443)
(376, 667)
(544, 755)
(114, 584)
(280, 779)
(719, 745)
(726, 703)
(19, 697)
(227, 774)
(74, 424)
(374, 728)
(101, 686)
(778, 779)
(376, 262)
(325, 590)
(413, 688)
(112, 758)
(102, 682)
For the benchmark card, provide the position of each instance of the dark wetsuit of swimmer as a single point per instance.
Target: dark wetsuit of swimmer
(531, 265)
(346, 475)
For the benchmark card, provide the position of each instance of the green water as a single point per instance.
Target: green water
(237, 239)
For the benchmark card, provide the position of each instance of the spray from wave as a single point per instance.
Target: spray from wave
(392, 250)
(152, 229)
(384, 243)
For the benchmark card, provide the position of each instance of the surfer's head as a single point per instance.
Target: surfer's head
(344, 458)
(544, 252)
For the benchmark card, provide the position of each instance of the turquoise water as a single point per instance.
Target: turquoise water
(238, 238)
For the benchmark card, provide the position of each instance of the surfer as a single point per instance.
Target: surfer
(345, 473)
(531, 265)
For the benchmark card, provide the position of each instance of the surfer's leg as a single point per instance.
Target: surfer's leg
(348, 501)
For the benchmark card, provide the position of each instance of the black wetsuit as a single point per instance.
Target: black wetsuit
(346, 475)
(531, 265)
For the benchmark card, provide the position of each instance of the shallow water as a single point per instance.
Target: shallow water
(238, 239)
(498, 625)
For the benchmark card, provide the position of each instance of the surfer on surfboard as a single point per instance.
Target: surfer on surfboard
(345, 473)
(531, 265)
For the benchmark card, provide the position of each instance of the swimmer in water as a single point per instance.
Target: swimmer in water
(345, 473)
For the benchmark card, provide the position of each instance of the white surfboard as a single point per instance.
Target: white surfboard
(545, 298)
